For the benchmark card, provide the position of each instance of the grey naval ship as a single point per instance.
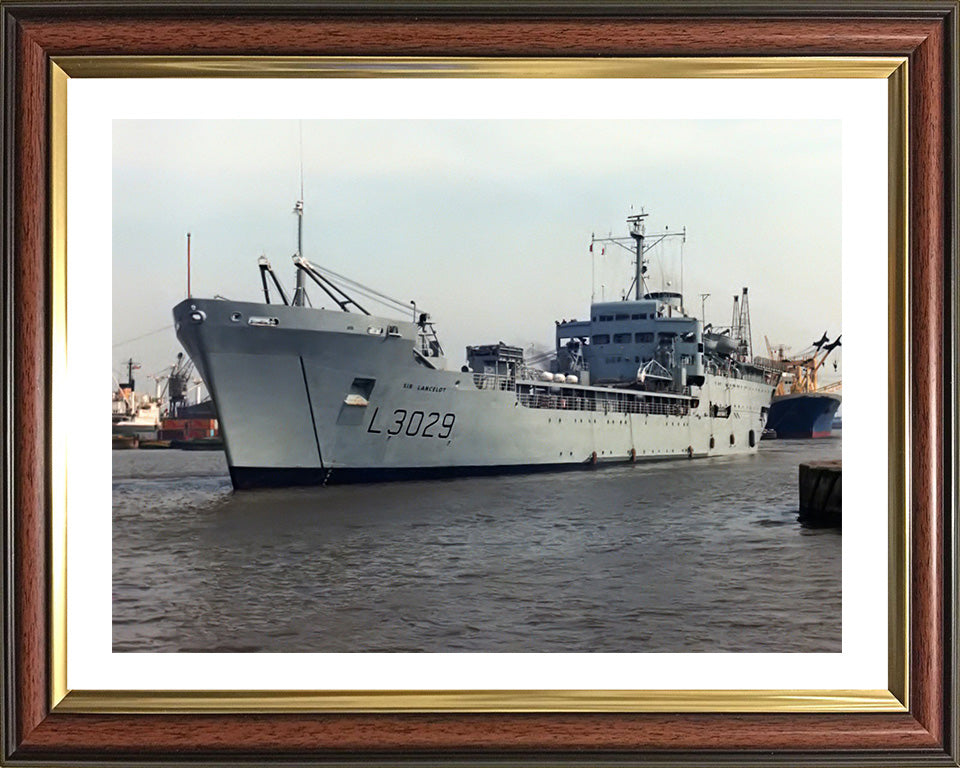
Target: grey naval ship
(311, 396)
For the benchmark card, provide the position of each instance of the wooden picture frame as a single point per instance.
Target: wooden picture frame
(40, 726)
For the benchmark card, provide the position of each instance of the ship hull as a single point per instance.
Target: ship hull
(315, 397)
(245, 478)
(803, 415)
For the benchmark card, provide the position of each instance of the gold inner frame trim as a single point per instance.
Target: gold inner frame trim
(232, 702)
(59, 405)
(898, 383)
(893, 69)
(430, 66)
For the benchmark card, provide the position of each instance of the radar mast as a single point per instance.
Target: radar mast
(639, 249)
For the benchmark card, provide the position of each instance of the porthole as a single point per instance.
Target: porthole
(236, 317)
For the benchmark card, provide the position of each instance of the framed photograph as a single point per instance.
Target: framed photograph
(478, 349)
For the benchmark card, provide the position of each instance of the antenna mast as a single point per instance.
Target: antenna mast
(298, 294)
(682, 243)
(639, 236)
(131, 367)
(593, 271)
(637, 233)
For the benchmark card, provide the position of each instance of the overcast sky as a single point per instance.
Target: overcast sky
(485, 223)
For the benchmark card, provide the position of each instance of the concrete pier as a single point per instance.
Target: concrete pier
(820, 494)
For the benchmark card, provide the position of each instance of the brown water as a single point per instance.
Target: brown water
(681, 556)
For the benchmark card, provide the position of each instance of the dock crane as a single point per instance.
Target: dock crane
(802, 369)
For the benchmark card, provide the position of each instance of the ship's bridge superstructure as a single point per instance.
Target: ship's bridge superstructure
(624, 340)
(647, 340)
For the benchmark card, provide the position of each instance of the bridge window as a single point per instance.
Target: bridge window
(622, 338)
(606, 318)
(644, 338)
(601, 338)
(667, 337)
(623, 317)
(638, 317)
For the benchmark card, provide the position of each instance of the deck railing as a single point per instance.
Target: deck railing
(495, 381)
(571, 400)
(628, 405)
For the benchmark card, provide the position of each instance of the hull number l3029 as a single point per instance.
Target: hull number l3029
(413, 424)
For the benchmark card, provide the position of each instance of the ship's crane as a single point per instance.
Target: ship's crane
(340, 290)
(740, 328)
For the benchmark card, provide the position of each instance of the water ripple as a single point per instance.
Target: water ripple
(683, 556)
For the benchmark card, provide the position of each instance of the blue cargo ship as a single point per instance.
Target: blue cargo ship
(803, 414)
(801, 408)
